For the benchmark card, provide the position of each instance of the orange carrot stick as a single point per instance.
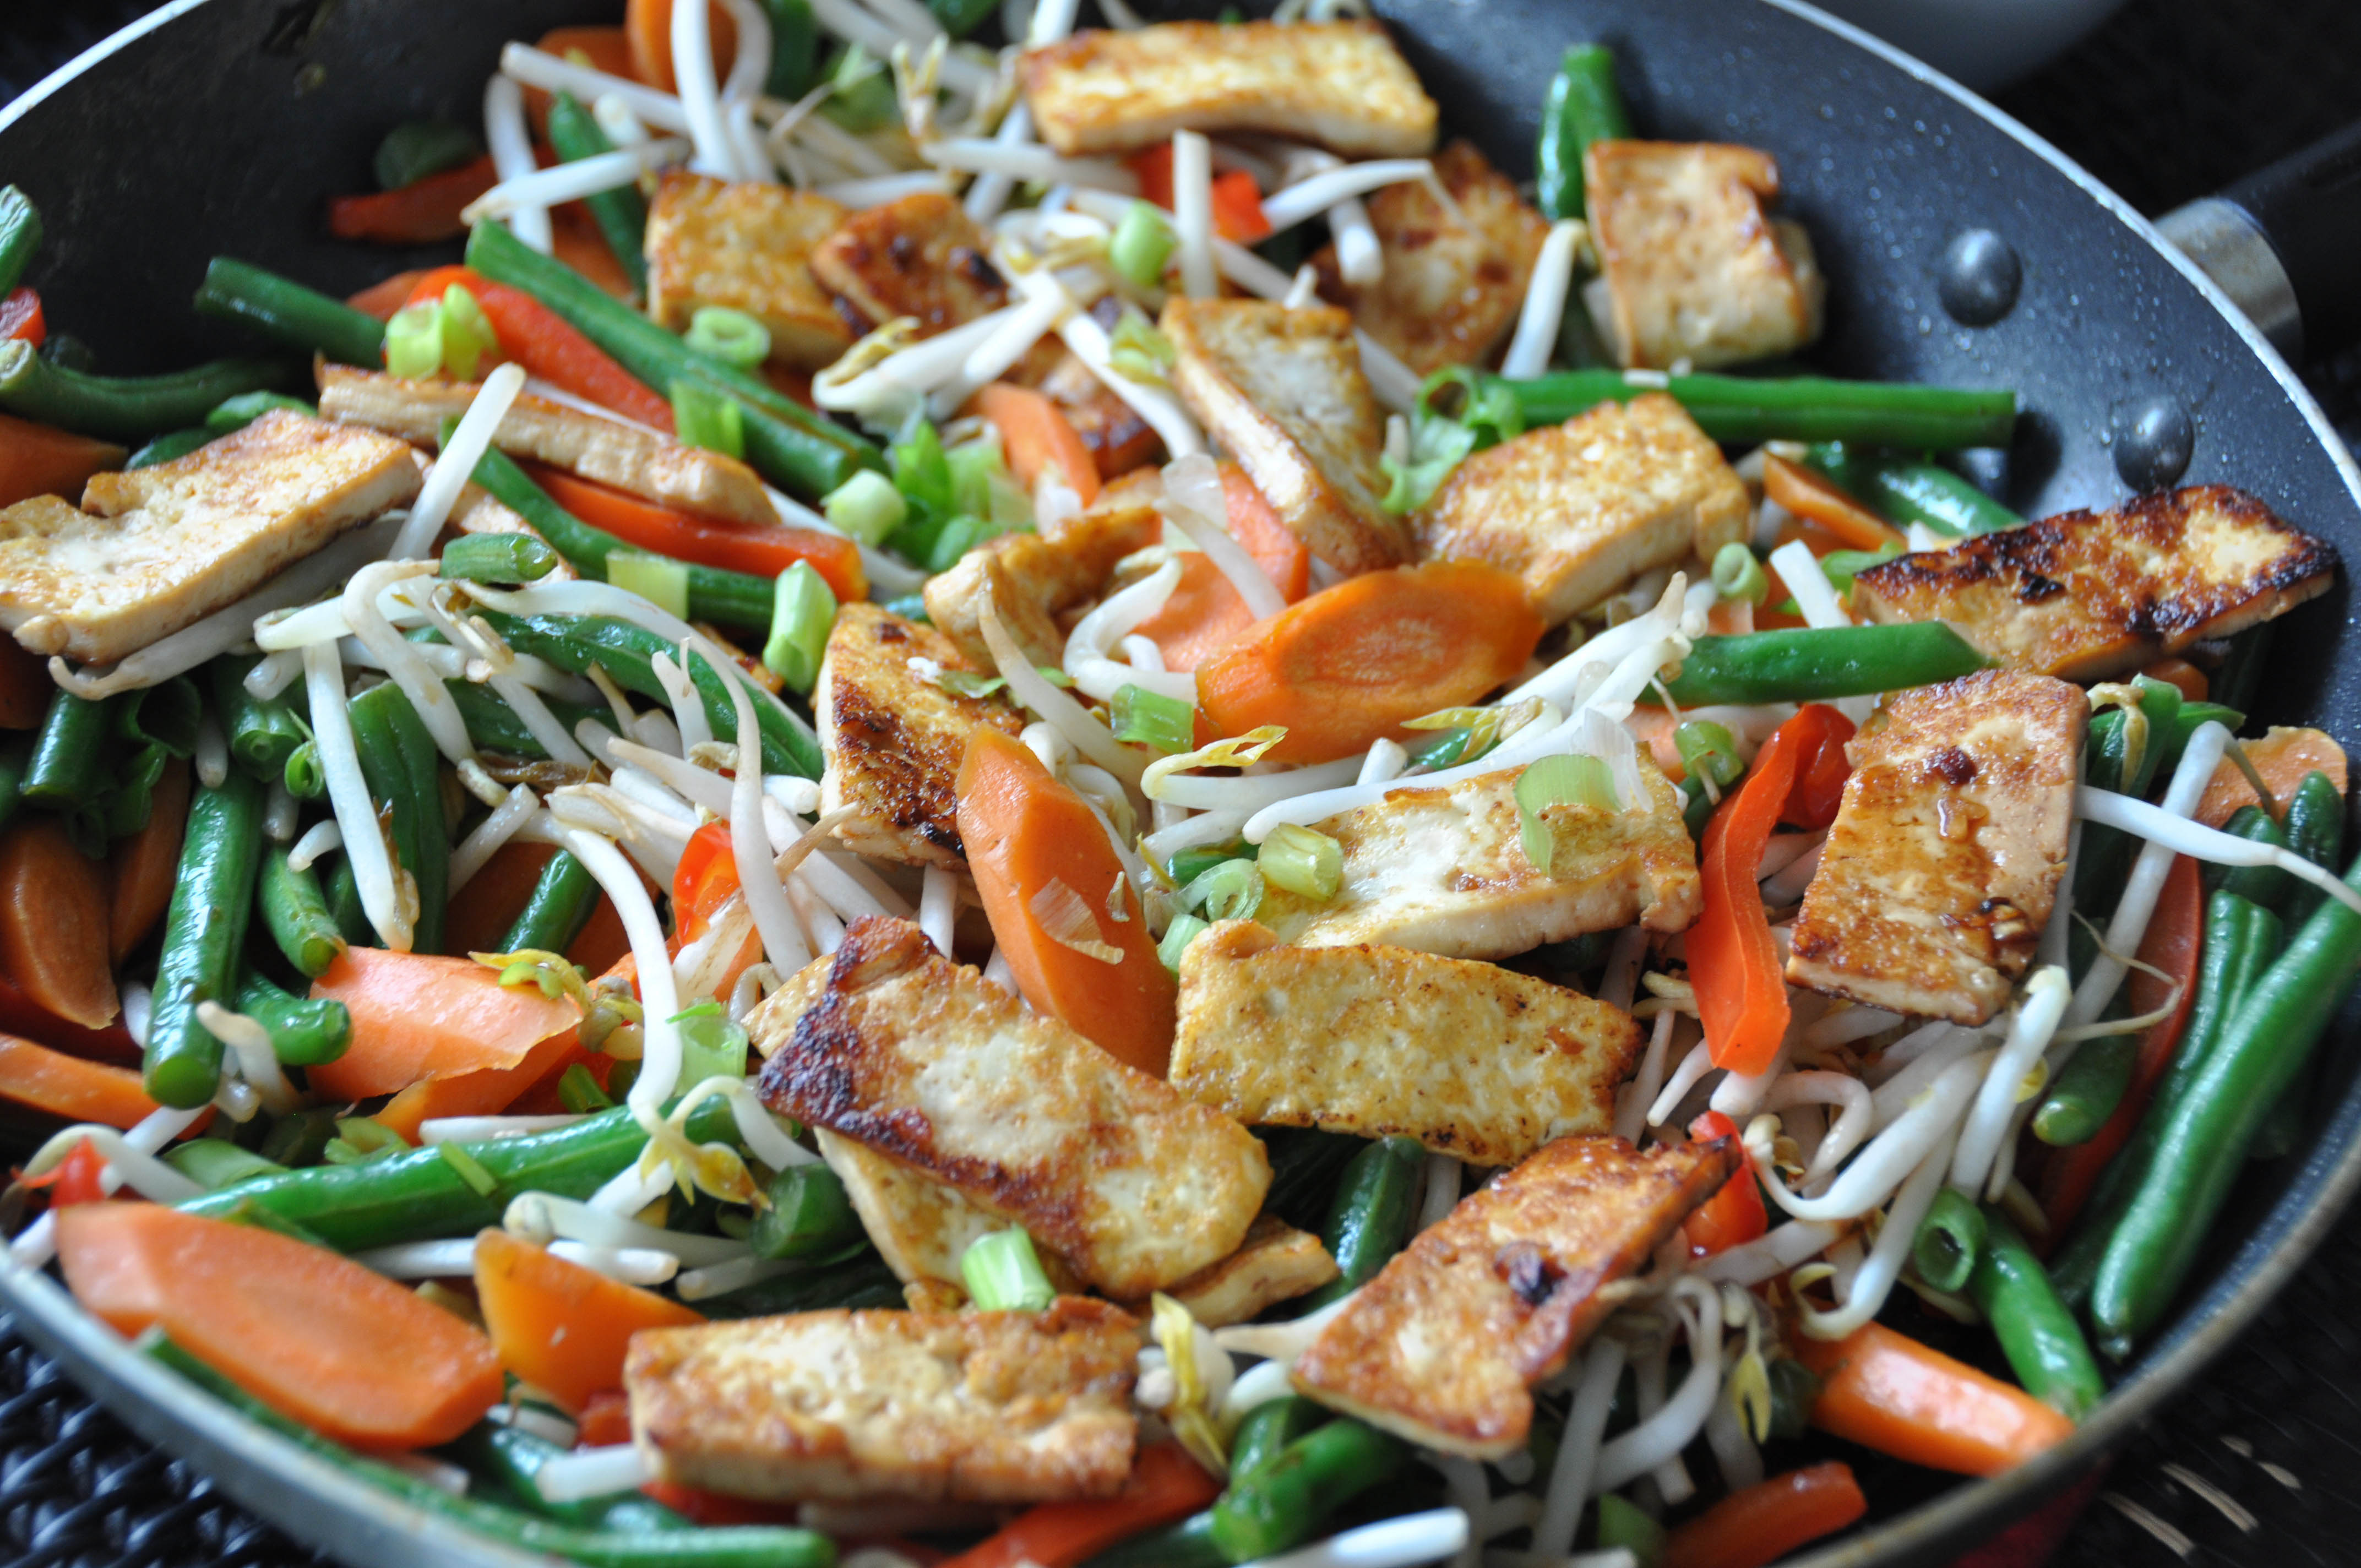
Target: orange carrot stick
(1202, 620)
(1817, 498)
(1886, 1391)
(607, 48)
(550, 346)
(387, 295)
(1256, 525)
(486, 1091)
(144, 867)
(70, 1086)
(558, 1325)
(1767, 1520)
(53, 922)
(1165, 1484)
(42, 460)
(648, 24)
(425, 214)
(759, 549)
(418, 1016)
(1036, 435)
(316, 1336)
(1029, 837)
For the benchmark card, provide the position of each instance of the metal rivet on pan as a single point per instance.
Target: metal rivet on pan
(1979, 277)
(2154, 440)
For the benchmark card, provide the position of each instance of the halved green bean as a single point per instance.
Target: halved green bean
(2087, 1090)
(1370, 1218)
(507, 559)
(20, 236)
(562, 899)
(416, 148)
(171, 444)
(295, 912)
(62, 772)
(216, 1163)
(262, 731)
(166, 714)
(493, 724)
(2043, 1344)
(1948, 1241)
(289, 314)
(810, 1215)
(1812, 664)
(1743, 410)
(399, 760)
(1584, 105)
(205, 936)
(1283, 1503)
(1270, 1428)
(122, 408)
(621, 214)
(1906, 489)
(304, 1031)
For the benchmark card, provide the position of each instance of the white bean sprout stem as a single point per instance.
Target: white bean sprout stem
(510, 143)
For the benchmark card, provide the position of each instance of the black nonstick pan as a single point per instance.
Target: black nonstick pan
(1960, 250)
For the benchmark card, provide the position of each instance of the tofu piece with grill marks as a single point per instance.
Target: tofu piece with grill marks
(1341, 84)
(892, 738)
(1943, 863)
(844, 1406)
(162, 547)
(1444, 870)
(1580, 509)
(1471, 1060)
(927, 1062)
(918, 255)
(1453, 285)
(1445, 1345)
(1694, 267)
(1030, 579)
(1278, 1263)
(1283, 391)
(748, 247)
(2092, 595)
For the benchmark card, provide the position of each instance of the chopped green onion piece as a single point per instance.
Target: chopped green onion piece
(1184, 929)
(361, 1139)
(1004, 1274)
(1304, 860)
(1840, 566)
(414, 341)
(1151, 718)
(1055, 677)
(867, 506)
(471, 1170)
(731, 336)
(968, 683)
(1710, 749)
(960, 535)
(1443, 752)
(810, 1214)
(1737, 574)
(1188, 865)
(1137, 352)
(912, 606)
(1231, 891)
(1143, 242)
(1558, 780)
(659, 579)
(710, 1046)
(864, 98)
(973, 465)
(236, 413)
(702, 417)
(579, 1092)
(803, 609)
(467, 333)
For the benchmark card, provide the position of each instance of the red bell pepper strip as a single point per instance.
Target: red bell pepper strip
(706, 876)
(760, 549)
(1732, 1215)
(20, 317)
(550, 347)
(1237, 200)
(1165, 1484)
(80, 1177)
(425, 214)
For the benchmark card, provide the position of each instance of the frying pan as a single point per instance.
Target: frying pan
(219, 125)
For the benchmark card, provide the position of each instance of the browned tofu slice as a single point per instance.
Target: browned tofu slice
(1284, 393)
(1471, 1060)
(920, 256)
(962, 1406)
(1943, 863)
(921, 1227)
(162, 547)
(1695, 267)
(1030, 579)
(1117, 439)
(927, 1062)
(892, 738)
(1342, 85)
(1444, 870)
(1578, 510)
(748, 247)
(1453, 285)
(1445, 1345)
(2095, 594)
(606, 450)
(1276, 1264)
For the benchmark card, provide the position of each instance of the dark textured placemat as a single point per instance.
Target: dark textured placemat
(2170, 100)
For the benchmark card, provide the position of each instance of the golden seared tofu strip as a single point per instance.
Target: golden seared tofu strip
(1943, 863)
(162, 547)
(1453, 282)
(893, 736)
(622, 457)
(1341, 84)
(1284, 393)
(1030, 579)
(2095, 594)
(1444, 870)
(926, 1061)
(1693, 268)
(1445, 1345)
(921, 1227)
(840, 1406)
(1278, 1263)
(1578, 510)
(1469, 1058)
(747, 247)
(919, 255)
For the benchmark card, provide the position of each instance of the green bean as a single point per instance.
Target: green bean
(509, 560)
(1305, 1164)
(416, 148)
(344, 890)
(1746, 410)
(2106, 857)
(263, 732)
(20, 236)
(399, 760)
(204, 935)
(297, 1138)
(1282, 1504)
(1370, 1219)
(243, 1211)
(621, 213)
(513, 1457)
(304, 1031)
(2043, 1344)
(795, 46)
(2315, 830)
(295, 913)
(15, 755)
(1188, 1544)
(1812, 664)
(810, 1215)
(494, 726)
(718, 1546)
(289, 314)
(860, 1282)
(1907, 489)
(63, 772)
(2265, 885)
(2087, 1090)
(304, 777)
(562, 899)
(130, 796)
(167, 714)
(2240, 674)
(216, 1163)
(233, 414)
(122, 408)
(1270, 1428)
(1625, 1525)
(959, 18)
(791, 446)
(1583, 106)
(173, 443)
(1948, 1242)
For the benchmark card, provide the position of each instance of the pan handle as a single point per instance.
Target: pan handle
(2281, 244)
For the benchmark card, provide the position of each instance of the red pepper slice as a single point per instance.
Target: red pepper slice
(706, 876)
(78, 1176)
(20, 317)
(1735, 1213)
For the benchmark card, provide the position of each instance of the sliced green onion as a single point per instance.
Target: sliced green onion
(1188, 865)
(1231, 891)
(960, 535)
(1841, 567)
(867, 506)
(1140, 353)
(467, 333)
(702, 417)
(731, 336)
(803, 610)
(1184, 929)
(361, 1139)
(710, 1046)
(1558, 780)
(1304, 860)
(659, 579)
(1004, 1274)
(972, 466)
(1737, 574)
(305, 775)
(471, 1170)
(579, 1092)
(414, 341)
(810, 1214)
(1142, 244)
(1151, 718)
(1443, 750)
(236, 413)
(1709, 749)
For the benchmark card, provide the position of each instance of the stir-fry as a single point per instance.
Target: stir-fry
(1076, 804)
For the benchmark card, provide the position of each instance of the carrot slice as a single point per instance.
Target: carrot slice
(70, 1086)
(575, 239)
(1164, 1484)
(1886, 1391)
(316, 1336)
(382, 298)
(20, 1014)
(1036, 435)
(1763, 1523)
(1202, 620)
(1817, 498)
(605, 1420)
(1046, 873)
(648, 24)
(418, 1016)
(53, 922)
(1347, 666)
(607, 48)
(144, 867)
(2183, 676)
(486, 1091)
(558, 1325)
(2283, 756)
(550, 346)
(1256, 525)
(763, 549)
(42, 460)
(424, 213)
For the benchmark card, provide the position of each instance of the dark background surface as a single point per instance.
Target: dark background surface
(2170, 100)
